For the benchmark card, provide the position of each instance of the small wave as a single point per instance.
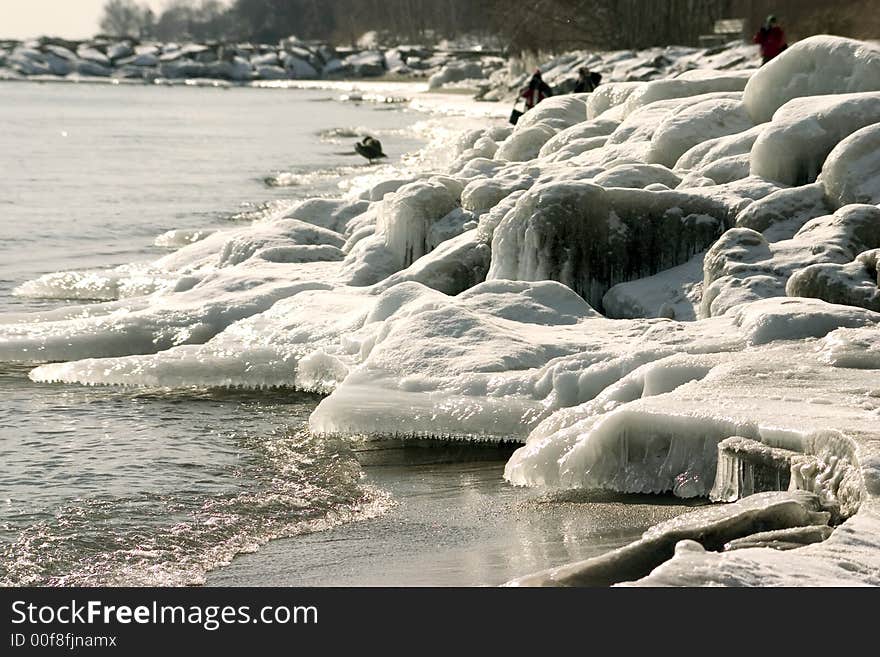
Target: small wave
(294, 484)
(266, 211)
(334, 134)
(313, 178)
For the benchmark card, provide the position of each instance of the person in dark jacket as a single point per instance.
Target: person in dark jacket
(536, 91)
(587, 81)
(771, 38)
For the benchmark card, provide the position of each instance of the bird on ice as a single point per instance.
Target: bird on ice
(370, 148)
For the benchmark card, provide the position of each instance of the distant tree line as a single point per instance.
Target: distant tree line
(536, 25)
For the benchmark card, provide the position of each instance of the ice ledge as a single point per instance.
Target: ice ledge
(711, 527)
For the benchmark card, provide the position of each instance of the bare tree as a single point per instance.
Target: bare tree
(124, 18)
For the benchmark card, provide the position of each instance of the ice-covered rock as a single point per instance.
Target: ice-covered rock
(782, 213)
(608, 97)
(456, 73)
(815, 66)
(853, 284)
(695, 124)
(585, 130)
(298, 68)
(722, 159)
(590, 238)
(851, 172)
(640, 436)
(704, 529)
(743, 265)
(852, 347)
(637, 176)
(119, 50)
(651, 92)
(92, 54)
(557, 112)
(368, 63)
(271, 73)
(804, 131)
(409, 218)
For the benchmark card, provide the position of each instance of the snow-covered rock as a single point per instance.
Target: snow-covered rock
(815, 66)
(804, 131)
(851, 172)
(591, 238)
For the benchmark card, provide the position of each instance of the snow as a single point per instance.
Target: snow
(679, 536)
(851, 172)
(592, 238)
(743, 265)
(664, 286)
(693, 125)
(815, 66)
(804, 131)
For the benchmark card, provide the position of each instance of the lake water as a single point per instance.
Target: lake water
(103, 485)
(139, 486)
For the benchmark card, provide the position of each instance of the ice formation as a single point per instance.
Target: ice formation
(669, 285)
(851, 172)
(816, 66)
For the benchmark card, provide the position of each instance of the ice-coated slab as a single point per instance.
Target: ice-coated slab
(713, 527)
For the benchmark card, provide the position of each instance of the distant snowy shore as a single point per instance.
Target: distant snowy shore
(237, 62)
(489, 75)
(668, 285)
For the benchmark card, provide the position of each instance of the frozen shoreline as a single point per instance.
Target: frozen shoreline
(455, 524)
(664, 286)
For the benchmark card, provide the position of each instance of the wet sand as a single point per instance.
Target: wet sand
(454, 524)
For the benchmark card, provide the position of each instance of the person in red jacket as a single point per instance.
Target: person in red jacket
(771, 38)
(537, 90)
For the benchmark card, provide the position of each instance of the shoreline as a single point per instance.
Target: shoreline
(452, 524)
(416, 95)
(473, 302)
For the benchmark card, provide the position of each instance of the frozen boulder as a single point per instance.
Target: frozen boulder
(580, 131)
(722, 159)
(851, 173)
(407, 218)
(692, 125)
(60, 65)
(299, 69)
(851, 284)
(804, 131)
(608, 96)
(852, 347)
(119, 50)
(143, 59)
(525, 143)
(456, 265)
(590, 238)
(637, 176)
(816, 66)
(651, 92)
(271, 73)
(783, 213)
(369, 63)
(29, 61)
(92, 54)
(558, 112)
(184, 68)
(743, 266)
(456, 73)
(484, 194)
(266, 59)
(93, 69)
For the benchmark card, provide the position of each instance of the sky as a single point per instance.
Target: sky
(70, 19)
